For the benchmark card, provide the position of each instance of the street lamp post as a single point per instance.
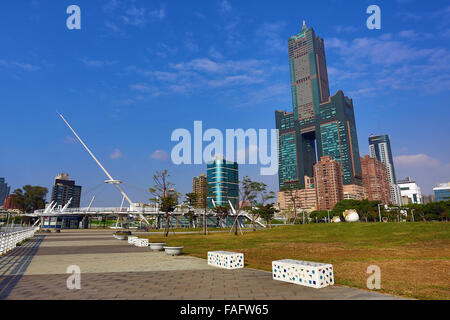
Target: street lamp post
(379, 211)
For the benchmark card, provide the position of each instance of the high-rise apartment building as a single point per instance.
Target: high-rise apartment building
(319, 125)
(199, 187)
(380, 148)
(354, 192)
(442, 192)
(328, 183)
(410, 191)
(4, 190)
(223, 182)
(65, 189)
(304, 199)
(375, 180)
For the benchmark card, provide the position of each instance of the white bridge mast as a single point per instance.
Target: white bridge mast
(111, 179)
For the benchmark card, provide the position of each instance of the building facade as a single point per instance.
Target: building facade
(380, 148)
(222, 182)
(442, 192)
(410, 191)
(375, 180)
(328, 183)
(65, 189)
(10, 203)
(199, 187)
(354, 192)
(4, 190)
(319, 125)
(305, 199)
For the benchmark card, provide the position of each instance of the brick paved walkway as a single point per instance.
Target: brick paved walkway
(113, 269)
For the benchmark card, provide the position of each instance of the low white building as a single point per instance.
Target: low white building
(410, 191)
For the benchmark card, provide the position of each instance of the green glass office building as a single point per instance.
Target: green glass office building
(223, 182)
(320, 124)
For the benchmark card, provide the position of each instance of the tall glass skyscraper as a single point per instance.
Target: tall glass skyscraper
(380, 148)
(223, 182)
(319, 125)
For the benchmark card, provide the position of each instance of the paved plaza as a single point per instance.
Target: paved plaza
(113, 269)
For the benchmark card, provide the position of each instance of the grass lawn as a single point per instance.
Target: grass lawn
(414, 257)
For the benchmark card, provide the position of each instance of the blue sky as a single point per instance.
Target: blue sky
(137, 70)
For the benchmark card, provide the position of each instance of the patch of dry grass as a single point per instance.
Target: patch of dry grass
(414, 257)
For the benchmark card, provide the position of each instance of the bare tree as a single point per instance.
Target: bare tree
(291, 194)
(164, 195)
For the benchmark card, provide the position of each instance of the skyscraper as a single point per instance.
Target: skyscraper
(4, 190)
(223, 182)
(328, 182)
(199, 187)
(319, 125)
(380, 148)
(65, 189)
(375, 180)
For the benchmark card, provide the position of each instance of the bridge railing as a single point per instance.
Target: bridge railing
(10, 239)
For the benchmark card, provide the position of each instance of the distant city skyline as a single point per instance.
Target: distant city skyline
(130, 77)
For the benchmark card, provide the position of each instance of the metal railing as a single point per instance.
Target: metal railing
(10, 239)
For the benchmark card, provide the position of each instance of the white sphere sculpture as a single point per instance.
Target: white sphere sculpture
(336, 219)
(351, 215)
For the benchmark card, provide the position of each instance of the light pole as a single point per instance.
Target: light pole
(379, 211)
(328, 216)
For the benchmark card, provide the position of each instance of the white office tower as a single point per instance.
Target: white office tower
(410, 191)
(380, 148)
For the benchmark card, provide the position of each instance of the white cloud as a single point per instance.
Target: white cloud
(112, 26)
(97, 63)
(117, 154)
(139, 87)
(271, 35)
(414, 35)
(416, 160)
(224, 7)
(70, 140)
(160, 155)
(159, 14)
(388, 62)
(18, 65)
(345, 29)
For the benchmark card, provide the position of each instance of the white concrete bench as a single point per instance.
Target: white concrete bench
(226, 259)
(306, 273)
(141, 242)
(131, 240)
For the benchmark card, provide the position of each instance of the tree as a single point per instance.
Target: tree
(291, 193)
(222, 212)
(251, 194)
(259, 197)
(164, 195)
(319, 215)
(267, 212)
(191, 199)
(30, 198)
